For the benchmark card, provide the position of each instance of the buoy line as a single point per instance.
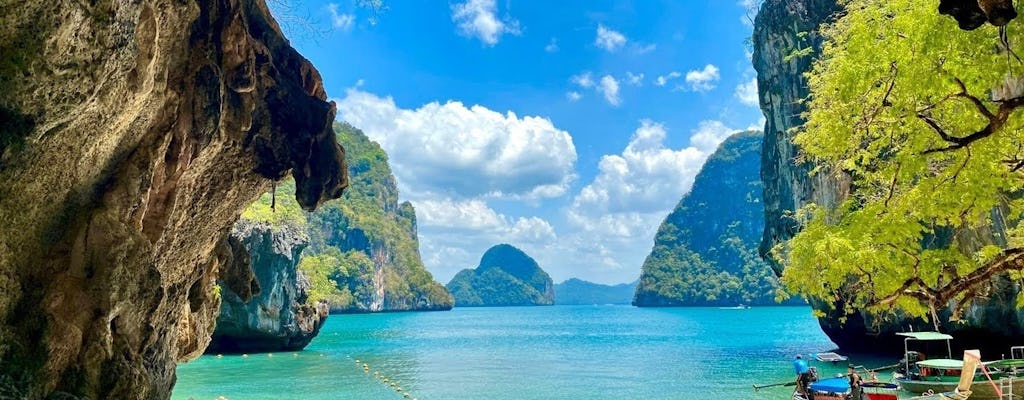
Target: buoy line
(383, 379)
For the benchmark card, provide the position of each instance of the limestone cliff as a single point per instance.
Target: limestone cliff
(705, 252)
(279, 318)
(785, 46)
(365, 254)
(132, 134)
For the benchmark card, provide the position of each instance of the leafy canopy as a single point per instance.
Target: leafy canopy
(902, 107)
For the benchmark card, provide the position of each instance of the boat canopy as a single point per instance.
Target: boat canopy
(926, 335)
(941, 363)
(832, 385)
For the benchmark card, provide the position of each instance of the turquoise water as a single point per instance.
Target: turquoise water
(544, 353)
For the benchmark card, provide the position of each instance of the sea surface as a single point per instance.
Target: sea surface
(524, 353)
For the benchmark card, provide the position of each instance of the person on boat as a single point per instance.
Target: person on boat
(803, 374)
(856, 390)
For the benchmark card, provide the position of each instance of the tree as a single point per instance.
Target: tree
(923, 120)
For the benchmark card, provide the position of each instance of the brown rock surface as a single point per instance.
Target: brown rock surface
(132, 134)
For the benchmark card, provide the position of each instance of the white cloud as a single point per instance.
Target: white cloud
(583, 80)
(746, 92)
(552, 46)
(709, 135)
(703, 80)
(617, 214)
(610, 89)
(644, 49)
(608, 39)
(465, 152)
(339, 20)
(573, 96)
(476, 18)
(634, 79)
(455, 233)
(664, 79)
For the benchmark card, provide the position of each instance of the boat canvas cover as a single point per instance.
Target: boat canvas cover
(832, 385)
(926, 335)
(833, 357)
(941, 363)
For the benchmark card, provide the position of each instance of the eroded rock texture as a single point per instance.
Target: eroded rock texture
(991, 323)
(132, 134)
(278, 318)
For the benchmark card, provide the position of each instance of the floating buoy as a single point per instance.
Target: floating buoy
(220, 356)
(270, 354)
(245, 355)
(295, 354)
(357, 361)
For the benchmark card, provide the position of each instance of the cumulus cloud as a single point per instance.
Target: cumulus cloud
(476, 18)
(746, 92)
(703, 80)
(552, 46)
(610, 89)
(465, 152)
(455, 233)
(340, 20)
(573, 95)
(664, 79)
(635, 189)
(583, 80)
(608, 39)
(634, 79)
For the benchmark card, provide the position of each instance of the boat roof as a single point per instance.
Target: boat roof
(833, 385)
(942, 363)
(829, 356)
(926, 335)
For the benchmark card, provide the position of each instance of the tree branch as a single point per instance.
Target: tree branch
(915, 287)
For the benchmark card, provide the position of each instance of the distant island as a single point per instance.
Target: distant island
(705, 252)
(580, 292)
(506, 276)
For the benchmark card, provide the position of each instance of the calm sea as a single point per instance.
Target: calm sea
(524, 353)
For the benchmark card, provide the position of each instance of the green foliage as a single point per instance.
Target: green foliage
(917, 209)
(705, 250)
(506, 276)
(278, 208)
(351, 237)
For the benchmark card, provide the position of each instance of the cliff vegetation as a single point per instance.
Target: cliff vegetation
(506, 276)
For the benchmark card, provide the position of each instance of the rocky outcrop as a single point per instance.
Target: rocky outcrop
(705, 252)
(785, 46)
(278, 318)
(369, 220)
(506, 276)
(132, 136)
(784, 31)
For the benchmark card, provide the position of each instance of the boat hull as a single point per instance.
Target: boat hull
(980, 390)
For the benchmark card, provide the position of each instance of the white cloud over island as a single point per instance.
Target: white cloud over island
(458, 151)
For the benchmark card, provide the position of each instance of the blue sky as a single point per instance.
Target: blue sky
(566, 128)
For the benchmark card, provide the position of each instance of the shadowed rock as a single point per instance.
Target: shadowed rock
(972, 14)
(133, 134)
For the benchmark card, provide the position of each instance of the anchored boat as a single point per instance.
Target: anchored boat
(922, 376)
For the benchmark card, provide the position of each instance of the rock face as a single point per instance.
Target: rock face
(705, 252)
(279, 318)
(132, 134)
(365, 254)
(506, 276)
(580, 292)
(782, 26)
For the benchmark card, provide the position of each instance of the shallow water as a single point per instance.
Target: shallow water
(560, 352)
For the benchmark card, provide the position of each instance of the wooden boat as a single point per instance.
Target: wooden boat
(943, 375)
(838, 388)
